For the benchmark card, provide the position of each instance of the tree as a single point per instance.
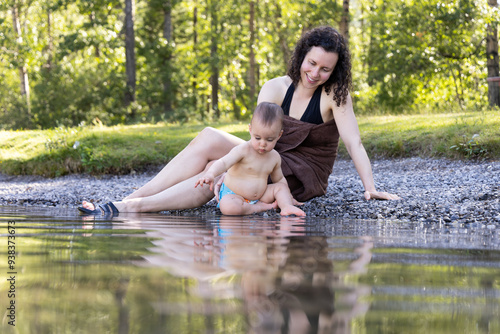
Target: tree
(251, 60)
(344, 21)
(167, 35)
(130, 53)
(195, 42)
(492, 60)
(282, 41)
(23, 73)
(425, 53)
(214, 58)
(64, 62)
(50, 46)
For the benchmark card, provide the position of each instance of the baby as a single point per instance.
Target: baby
(245, 189)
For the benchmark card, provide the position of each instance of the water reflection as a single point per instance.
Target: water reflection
(285, 280)
(157, 273)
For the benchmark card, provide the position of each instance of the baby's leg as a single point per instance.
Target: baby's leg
(281, 193)
(235, 205)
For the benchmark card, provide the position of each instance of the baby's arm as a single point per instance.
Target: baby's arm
(278, 177)
(277, 174)
(221, 165)
(207, 178)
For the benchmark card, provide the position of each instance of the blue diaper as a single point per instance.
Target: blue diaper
(226, 191)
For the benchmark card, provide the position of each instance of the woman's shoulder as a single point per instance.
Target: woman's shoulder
(284, 81)
(274, 90)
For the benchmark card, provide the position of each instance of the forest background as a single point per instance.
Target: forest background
(68, 63)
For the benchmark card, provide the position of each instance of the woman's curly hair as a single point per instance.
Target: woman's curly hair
(330, 40)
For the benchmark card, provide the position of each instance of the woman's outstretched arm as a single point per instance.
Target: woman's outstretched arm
(349, 132)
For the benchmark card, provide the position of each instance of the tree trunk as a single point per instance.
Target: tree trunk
(375, 30)
(251, 69)
(167, 83)
(236, 109)
(50, 47)
(344, 22)
(130, 53)
(282, 36)
(492, 61)
(214, 78)
(93, 23)
(194, 80)
(371, 50)
(23, 74)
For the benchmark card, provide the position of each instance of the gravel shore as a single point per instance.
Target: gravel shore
(457, 193)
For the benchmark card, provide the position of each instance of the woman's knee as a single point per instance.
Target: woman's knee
(207, 136)
(209, 140)
(213, 144)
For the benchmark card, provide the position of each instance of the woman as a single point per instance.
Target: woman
(314, 95)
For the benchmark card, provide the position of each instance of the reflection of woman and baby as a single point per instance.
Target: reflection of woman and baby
(318, 112)
(287, 279)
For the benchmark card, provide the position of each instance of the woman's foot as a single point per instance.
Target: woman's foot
(88, 205)
(103, 209)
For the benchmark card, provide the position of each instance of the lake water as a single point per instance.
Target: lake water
(154, 273)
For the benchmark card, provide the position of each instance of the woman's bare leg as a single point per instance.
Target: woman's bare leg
(173, 187)
(209, 145)
(182, 195)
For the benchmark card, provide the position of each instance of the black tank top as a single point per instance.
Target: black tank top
(313, 111)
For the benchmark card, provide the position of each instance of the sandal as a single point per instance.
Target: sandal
(103, 209)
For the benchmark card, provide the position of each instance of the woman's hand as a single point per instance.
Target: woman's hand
(380, 195)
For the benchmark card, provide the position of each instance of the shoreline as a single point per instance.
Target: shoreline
(456, 193)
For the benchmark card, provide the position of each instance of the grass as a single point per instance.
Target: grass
(433, 135)
(122, 149)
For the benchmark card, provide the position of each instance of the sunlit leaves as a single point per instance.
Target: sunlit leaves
(426, 48)
(406, 54)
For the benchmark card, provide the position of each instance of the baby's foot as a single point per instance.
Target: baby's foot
(292, 210)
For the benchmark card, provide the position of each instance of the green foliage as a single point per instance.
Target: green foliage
(471, 148)
(408, 56)
(422, 55)
(431, 135)
(94, 149)
(123, 149)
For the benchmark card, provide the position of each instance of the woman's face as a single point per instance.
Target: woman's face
(317, 66)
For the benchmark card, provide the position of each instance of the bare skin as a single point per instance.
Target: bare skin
(317, 66)
(248, 167)
(173, 187)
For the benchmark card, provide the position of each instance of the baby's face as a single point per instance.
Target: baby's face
(264, 138)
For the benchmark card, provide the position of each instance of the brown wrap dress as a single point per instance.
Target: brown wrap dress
(308, 151)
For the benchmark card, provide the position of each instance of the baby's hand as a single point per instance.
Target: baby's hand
(205, 180)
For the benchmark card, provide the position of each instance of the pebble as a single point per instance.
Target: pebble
(432, 191)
